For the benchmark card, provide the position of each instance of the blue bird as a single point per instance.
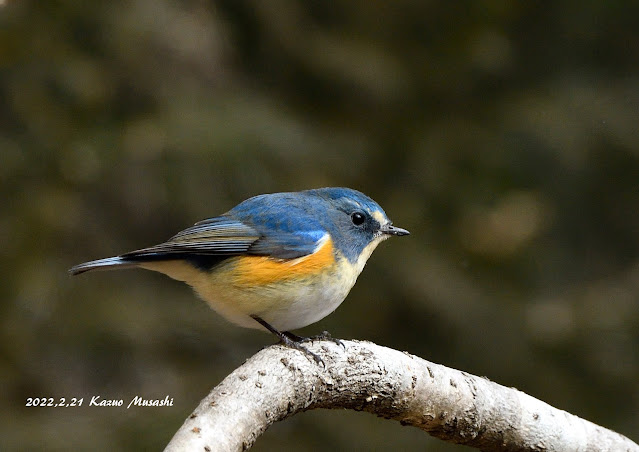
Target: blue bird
(277, 261)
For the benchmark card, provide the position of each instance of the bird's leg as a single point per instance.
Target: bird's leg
(290, 340)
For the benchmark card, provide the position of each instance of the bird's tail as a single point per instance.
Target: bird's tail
(109, 263)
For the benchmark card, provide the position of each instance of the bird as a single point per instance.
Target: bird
(276, 262)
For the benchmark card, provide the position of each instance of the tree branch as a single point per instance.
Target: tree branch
(449, 404)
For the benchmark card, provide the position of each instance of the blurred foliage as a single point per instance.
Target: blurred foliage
(503, 135)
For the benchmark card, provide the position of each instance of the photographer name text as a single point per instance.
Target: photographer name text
(97, 401)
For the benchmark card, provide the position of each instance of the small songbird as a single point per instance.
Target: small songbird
(277, 261)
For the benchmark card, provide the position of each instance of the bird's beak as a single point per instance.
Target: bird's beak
(389, 229)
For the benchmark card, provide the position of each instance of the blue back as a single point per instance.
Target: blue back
(279, 225)
(290, 224)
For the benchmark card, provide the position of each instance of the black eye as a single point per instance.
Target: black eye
(358, 218)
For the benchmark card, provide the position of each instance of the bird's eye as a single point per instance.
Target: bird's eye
(358, 218)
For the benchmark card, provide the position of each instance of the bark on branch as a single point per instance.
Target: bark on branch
(449, 404)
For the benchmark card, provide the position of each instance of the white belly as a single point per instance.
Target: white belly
(285, 306)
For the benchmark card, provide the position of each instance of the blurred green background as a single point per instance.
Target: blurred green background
(503, 135)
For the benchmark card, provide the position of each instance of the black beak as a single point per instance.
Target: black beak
(393, 230)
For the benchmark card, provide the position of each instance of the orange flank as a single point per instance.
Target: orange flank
(262, 270)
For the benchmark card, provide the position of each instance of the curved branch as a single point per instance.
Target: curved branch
(449, 404)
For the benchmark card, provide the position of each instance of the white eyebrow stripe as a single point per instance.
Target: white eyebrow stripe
(381, 219)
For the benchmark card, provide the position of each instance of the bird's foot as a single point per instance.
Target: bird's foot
(291, 340)
(323, 336)
(297, 345)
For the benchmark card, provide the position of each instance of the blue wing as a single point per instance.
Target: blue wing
(215, 236)
(287, 224)
(204, 245)
(276, 225)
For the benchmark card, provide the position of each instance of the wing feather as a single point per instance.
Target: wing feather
(228, 236)
(254, 227)
(216, 236)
